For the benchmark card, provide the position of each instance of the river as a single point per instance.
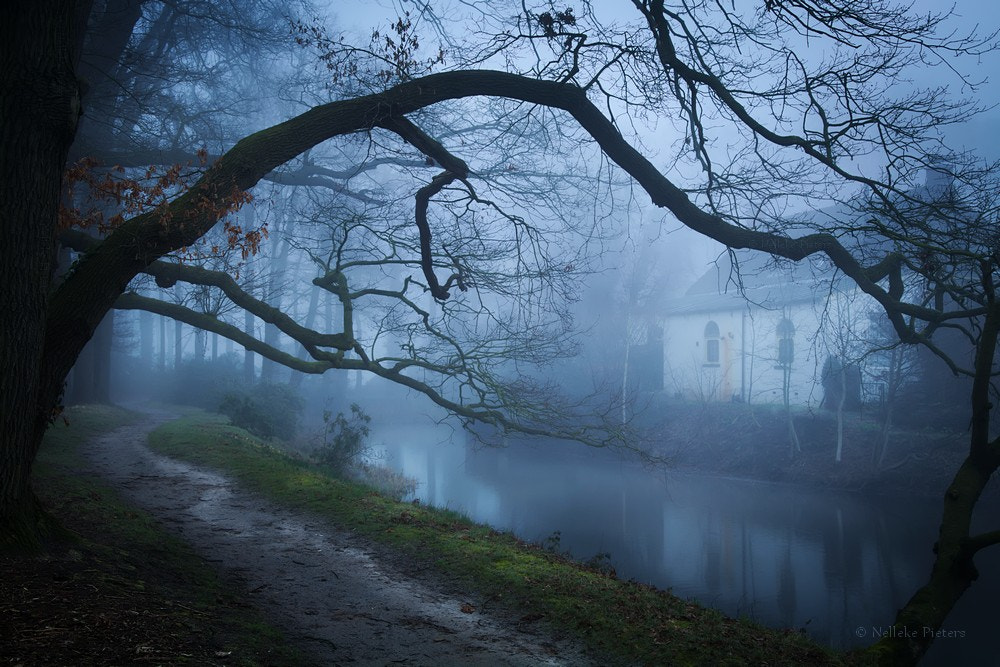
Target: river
(834, 563)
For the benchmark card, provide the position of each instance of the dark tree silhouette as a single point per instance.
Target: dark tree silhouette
(803, 123)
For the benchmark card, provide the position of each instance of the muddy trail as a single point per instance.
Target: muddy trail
(341, 599)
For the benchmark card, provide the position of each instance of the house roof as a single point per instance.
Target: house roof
(757, 280)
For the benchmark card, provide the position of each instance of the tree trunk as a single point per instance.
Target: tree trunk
(39, 105)
(178, 345)
(249, 372)
(80, 389)
(200, 344)
(163, 345)
(146, 339)
(268, 367)
(102, 342)
(840, 413)
(92, 370)
(295, 380)
(953, 570)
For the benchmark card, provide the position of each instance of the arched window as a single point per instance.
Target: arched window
(786, 343)
(711, 343)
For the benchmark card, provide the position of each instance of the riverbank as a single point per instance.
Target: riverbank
(126, 592)
(755, 442)
(622, 622)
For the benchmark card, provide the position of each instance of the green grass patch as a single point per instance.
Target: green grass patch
(118, 585)
(625, 621)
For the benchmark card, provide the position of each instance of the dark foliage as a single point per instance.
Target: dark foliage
(202, 384)
(841, 385)
(343, 439)
(266, 410)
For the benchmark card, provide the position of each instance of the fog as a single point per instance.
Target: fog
(537, 344)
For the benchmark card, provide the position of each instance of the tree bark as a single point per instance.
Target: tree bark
(79, 389)
(295, 379)
(200, 345)
(953, 570)
(40, 108)
(102, 342)
(249, 370)
(163, 345)
(178, 345)
(146, 339)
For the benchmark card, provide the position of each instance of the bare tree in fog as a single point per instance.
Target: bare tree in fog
(798, 124)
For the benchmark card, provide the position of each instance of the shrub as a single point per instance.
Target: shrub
(343, 439)
(202, 383)
(386, 481)
(266, 410)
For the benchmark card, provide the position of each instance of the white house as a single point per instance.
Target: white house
(760, 331)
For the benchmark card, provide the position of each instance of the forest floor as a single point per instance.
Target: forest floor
(173, 563)
(110, 586)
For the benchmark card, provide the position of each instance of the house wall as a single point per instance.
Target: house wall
(748, 367)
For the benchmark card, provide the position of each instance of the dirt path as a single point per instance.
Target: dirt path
(339, 598)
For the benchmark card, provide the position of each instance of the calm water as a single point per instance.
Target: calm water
(837, 564)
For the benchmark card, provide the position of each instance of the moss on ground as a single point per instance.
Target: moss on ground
(627, 621)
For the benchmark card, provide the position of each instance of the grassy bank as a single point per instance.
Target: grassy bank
(114, 588)
(755, 442)
(630, 622)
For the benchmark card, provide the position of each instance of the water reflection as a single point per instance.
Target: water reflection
(792, 557)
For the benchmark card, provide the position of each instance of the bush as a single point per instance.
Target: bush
(344, 453)
(204, 383)
(266, 410)
(386, 481)
(343, 439)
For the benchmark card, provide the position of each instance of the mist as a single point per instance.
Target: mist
(429, 309)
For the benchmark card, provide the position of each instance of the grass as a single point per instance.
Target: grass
(626, 621)
(116, 588)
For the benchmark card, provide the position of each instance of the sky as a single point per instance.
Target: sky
(361, 17)
(979, 135)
